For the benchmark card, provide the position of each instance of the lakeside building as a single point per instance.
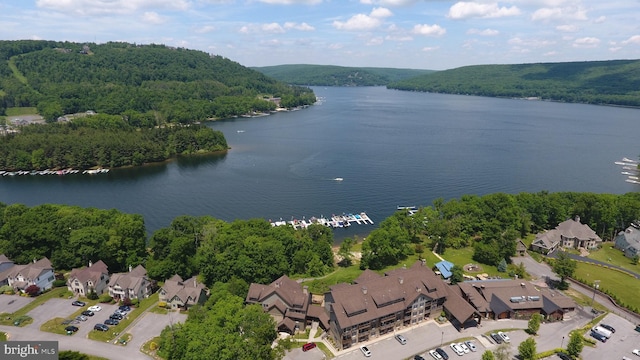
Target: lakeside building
(133, 284)
(94, 277)
(182, 294)
(39, 273)
(569, 234)
(628, 241)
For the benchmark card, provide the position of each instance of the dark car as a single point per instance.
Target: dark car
(111, 322)
(87, 313)
(101, 327)
(418, 357)
(497, 338)
(598, 336)
(116, 316)
(608, 327)
(71, 328)
(78, 303)
(564, 356)
(124, 308)
(442, 353)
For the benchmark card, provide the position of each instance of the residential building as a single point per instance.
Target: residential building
(180, 294)
(569, 234)
(133, 284)
(39, 273)
(94, 277)
(513, 299)
(521, 248)
(5, 265)
(628, 241)
(375, 304)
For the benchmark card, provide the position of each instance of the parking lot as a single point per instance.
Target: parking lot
(621, 343)
(12, 303)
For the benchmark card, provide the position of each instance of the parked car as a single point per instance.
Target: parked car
(608, 327)
(308, 346)
(435, 355)
(401, 339)
(636, 352)
(365, 351)
(464, 347)
(78, 303)
(81, 318)
(443, 353)
(497, 338)
(504, 337)
(471, 345)
(602, 331)
(418, 357)
(598, 336)
(111, 322)
(101, 327)
(94, 308)
(564, 356)
(71, 328)
(456, 349)
(116, 316)
(87, 313)
(124, 308)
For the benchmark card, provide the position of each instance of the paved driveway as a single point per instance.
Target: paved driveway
(12, 303)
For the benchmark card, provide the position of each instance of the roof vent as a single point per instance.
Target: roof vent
(522, 284)
(400, 280)
(364, 290)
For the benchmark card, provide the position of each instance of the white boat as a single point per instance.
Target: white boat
(338, 179)
(629, 160)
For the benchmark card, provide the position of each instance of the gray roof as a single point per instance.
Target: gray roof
(133, 279)
(188, 291)
(93, 273)
(628, 238)
(574, 229)
(32, 270)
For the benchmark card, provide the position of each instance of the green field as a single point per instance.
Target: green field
(17, 111)
(624, 286)
(613, 256)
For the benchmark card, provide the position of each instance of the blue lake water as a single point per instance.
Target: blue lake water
(390, 147)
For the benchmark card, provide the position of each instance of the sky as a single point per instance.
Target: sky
(416, 34)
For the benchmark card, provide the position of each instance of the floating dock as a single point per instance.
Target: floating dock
(335, 221)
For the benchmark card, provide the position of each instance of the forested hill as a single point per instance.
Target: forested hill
(328, 75)
(594, 82)
(176, 84)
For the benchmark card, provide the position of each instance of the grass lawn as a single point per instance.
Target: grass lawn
(613, 256)
(54, 326)
(17, 111)
(3, 336)
(114, 331)
(464, 256)
(151, 346)
(624, 286)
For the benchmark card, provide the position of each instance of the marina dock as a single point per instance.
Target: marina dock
(335, 221)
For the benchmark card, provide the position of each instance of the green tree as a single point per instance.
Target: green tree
(502, 352)
(457, 274)
(502, 266)
(564, 267)
(534, 324)
(635, 259)
(72, 355)
(488, 355)
(345, 252)
(527, 349)
(575, 345)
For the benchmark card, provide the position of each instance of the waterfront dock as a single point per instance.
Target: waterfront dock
(335, 221)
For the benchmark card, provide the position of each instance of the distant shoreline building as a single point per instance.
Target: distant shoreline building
(568, 234)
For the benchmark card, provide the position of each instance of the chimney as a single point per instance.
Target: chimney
(400, 280)
(130, 268)
(195, 283)
(90, 263)
(364, 290)
(305, 289)
(522, 284)
(277, 284)
(577, 218)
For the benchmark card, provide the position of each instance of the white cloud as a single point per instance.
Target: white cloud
(430, 48)
(614, 48)
(204, 29)
(560, 13)
(152, 17)
(106, 7)
(586, 42)
(550, 53)
(274, 28)
(363, 21)
(465, 10)
(485, 32)
(291, 2)
(296, 26)
(336, 46)
(567, 28)
(391, 3)
(600, 19)
(375, 41)
(399, 38)
(635, 39)
(429, 30)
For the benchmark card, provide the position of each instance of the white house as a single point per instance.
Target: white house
(133, 284)
(39, 273)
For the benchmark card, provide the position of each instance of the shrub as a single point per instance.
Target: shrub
(59, 283)
(92, 295)
(153, 346)
(105, 298)
(126, 302)
(32, 290)
(162, 304)
(134, 302)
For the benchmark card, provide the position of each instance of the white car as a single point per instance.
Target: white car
(471, 346)
(401, 339)
(365, 351)
(434, 354)
(636, 352)
(456, 349)
(504, 336)
(94, 308)
(464, 347)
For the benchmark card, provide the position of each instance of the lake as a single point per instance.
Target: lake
(390, 147)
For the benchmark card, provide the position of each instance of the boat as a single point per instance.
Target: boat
(240, 131)
(629, 160)
(338, 179)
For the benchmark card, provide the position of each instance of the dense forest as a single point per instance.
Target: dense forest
(492, 223)
(329, 75)
(593, 82)
(102, 141)
(176, 84)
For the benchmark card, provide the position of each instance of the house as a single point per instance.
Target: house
(182, 294)
(133, 284)
(521, 248)
(512, 299)
(39, 273)
(5, 265)
(627, 241)
(375, 304)
(569, 234)
(91, 278)
(286, 301)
